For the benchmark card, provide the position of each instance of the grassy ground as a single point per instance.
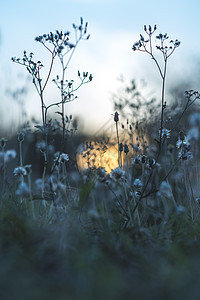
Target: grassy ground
(69, 260)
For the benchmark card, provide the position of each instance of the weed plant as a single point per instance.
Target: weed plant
(132, 230)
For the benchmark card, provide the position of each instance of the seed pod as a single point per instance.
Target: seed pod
(143, 159)
(116, 117)
(126, 149)
(120, 147)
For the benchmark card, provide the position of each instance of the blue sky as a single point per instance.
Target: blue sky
(114, 26)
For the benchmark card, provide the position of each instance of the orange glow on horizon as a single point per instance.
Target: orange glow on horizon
(107, 159)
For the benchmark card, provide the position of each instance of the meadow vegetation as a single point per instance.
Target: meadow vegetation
(105, 217)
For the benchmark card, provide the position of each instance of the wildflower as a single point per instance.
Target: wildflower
(137, 183)
(151, 163)
(23, 190)
(137, 194)
(61, 157)
(184, 149)
(38, 184)
(51, 149)
(165, 190)
(64, 157)
(10, 154)
(19, 171)
(165, 133)
(117, 173)
(182, 143)
(28, 169)
(197, 200)
(41, 146)
(126, 149)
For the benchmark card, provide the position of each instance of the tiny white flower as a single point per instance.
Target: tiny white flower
(38, 181)
(165, 133)
(63, 157)
(185, 154)
(137, 183)
(165, 190)
(41, 146)
(51, 149)
(23, 190)
(197, 200)
(28, 169)
(19, 171)
(182, 143)
(10, 154)
(38, 184)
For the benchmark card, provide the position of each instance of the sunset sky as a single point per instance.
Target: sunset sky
(114, 26)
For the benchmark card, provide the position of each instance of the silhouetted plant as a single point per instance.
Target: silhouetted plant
(145, 44)
(59, 45)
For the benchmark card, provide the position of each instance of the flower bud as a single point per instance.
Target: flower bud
(116, 117)
(126, 149)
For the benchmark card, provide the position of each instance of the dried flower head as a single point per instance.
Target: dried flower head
(63, 157)
(126, 149)
(10, 154)
(19, 171)
(137, 183)
(28, 168)
(23, 190)
(165, 133)
(117, 174)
